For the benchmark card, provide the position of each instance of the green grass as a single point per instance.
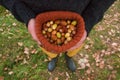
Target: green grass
(32, 66)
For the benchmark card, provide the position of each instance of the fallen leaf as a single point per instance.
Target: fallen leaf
(46, 60)
(114, 44)
(86, 46)
(50, 78)
(1, 78)
(67, 75)
(0, 55)
(33, 51)
(34, 66)
(88, 64)
(20, 44)
(26, 50)
(88, 71)
(56, 78)
(25, 61)
(14, 24)
(102, 64)
(10, 73)
(1, 29)
(110, 67)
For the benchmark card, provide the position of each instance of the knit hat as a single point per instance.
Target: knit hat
(54, 15)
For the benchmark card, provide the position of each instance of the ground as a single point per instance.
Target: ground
(22, 59)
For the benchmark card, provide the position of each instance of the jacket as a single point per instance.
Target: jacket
(92, 11)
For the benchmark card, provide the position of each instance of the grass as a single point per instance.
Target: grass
(15, 64)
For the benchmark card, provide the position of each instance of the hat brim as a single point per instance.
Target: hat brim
(54, 15)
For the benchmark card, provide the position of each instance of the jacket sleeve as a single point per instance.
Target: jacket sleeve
(20, 11)
(94, 12)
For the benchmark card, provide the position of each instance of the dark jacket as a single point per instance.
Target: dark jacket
(91, 10)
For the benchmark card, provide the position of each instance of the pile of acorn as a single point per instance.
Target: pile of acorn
(59, 32)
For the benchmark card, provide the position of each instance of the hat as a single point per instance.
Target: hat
(55, 15)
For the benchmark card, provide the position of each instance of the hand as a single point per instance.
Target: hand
(31, 29)
(80, 42)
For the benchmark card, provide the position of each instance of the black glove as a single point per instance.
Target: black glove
(91, 10)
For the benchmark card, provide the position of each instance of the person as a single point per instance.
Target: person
(25, 11)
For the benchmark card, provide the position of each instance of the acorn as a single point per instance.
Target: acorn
(65, 42)
(44, 32)
(69, 30)
(48, 24)
(59, 32)
(49, 29)
(58, 35)
(69, 39)
(54, 37)
(54, 32)
(59, 42)
(68, 21)
(74, 22)
(48, 34)
(63, 23)
(58, 27)
(67, 35)
(57, 22)
(54, 26)
(51, 22)
(71, 27)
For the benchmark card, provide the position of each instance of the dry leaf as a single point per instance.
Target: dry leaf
(10, 73)
(50, 78)
(46, 60)
(25, 61)
(56, 78)
(1, 78)
(1, 29)
(67, 75)
(110, 67)
(26, 50)
(20, 44)
(88, 71)
(114, 44)
(33, 51)
(88, 64)
(14, 24)
(34, 66)
(102, 64)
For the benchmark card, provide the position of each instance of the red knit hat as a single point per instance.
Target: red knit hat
(54, 15)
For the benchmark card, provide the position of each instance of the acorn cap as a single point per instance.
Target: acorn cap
(56, 15)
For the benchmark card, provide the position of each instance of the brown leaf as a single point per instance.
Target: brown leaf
(1, 30)
(56, 78)
(1, 78)
(102, 64)
(50, 78)
(26, 50)
(10, 73)
(14, 24)
(110, 67)
(88, 71)
(33, 51)
(20, 44)
(67, 75)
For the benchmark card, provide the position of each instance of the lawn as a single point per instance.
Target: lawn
(22, 59)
